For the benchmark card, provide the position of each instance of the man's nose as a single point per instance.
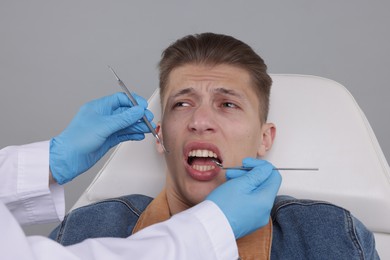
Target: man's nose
(202, 120)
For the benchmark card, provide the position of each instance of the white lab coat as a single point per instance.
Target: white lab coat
(201, 232)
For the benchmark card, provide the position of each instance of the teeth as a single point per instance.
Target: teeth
(202, 153)
(203, 168)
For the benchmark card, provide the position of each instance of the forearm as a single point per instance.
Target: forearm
(24, 184)
(201, 232)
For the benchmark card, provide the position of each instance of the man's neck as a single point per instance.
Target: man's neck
(176, 203)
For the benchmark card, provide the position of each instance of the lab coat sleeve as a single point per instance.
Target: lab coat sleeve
(202, 232)
(24, 184)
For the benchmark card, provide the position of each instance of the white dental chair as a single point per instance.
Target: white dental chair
(319, 124)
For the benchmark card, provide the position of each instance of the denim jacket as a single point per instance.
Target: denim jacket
(302, 229)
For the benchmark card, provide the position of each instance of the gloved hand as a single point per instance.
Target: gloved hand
(98, 126)
(247, 197)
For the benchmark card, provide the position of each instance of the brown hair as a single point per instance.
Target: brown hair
(215, 49)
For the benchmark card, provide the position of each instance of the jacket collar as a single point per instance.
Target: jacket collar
(256, 245)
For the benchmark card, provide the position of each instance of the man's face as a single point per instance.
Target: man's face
(209, 112)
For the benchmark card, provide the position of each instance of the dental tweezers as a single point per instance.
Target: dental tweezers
(250, 168)
(132, 99)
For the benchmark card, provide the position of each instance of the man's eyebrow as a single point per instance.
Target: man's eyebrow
(221, 90)
(182, 92)
(230, 92)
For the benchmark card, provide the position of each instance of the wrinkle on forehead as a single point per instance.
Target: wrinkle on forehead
(206, 73)
(192, 72)
(210, 76)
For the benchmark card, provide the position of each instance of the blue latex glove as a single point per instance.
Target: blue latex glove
(98, 126)
(247, 197)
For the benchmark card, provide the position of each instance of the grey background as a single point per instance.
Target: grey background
(53, 54)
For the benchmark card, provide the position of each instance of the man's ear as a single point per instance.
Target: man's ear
(268, 135)
(159, 148)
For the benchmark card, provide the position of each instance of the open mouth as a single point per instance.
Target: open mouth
(202, 159)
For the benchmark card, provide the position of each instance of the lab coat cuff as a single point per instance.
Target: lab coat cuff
(218, 228)
(58, 196)
(41, 203)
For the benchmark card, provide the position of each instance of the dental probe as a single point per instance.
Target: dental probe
(130, 96)
(250, 168)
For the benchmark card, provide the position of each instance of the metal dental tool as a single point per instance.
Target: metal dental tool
(130, 96)
(250, 168)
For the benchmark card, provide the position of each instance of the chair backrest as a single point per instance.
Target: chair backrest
(319, 124)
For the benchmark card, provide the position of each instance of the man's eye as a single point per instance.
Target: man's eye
(181, 104)
(229, 105)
